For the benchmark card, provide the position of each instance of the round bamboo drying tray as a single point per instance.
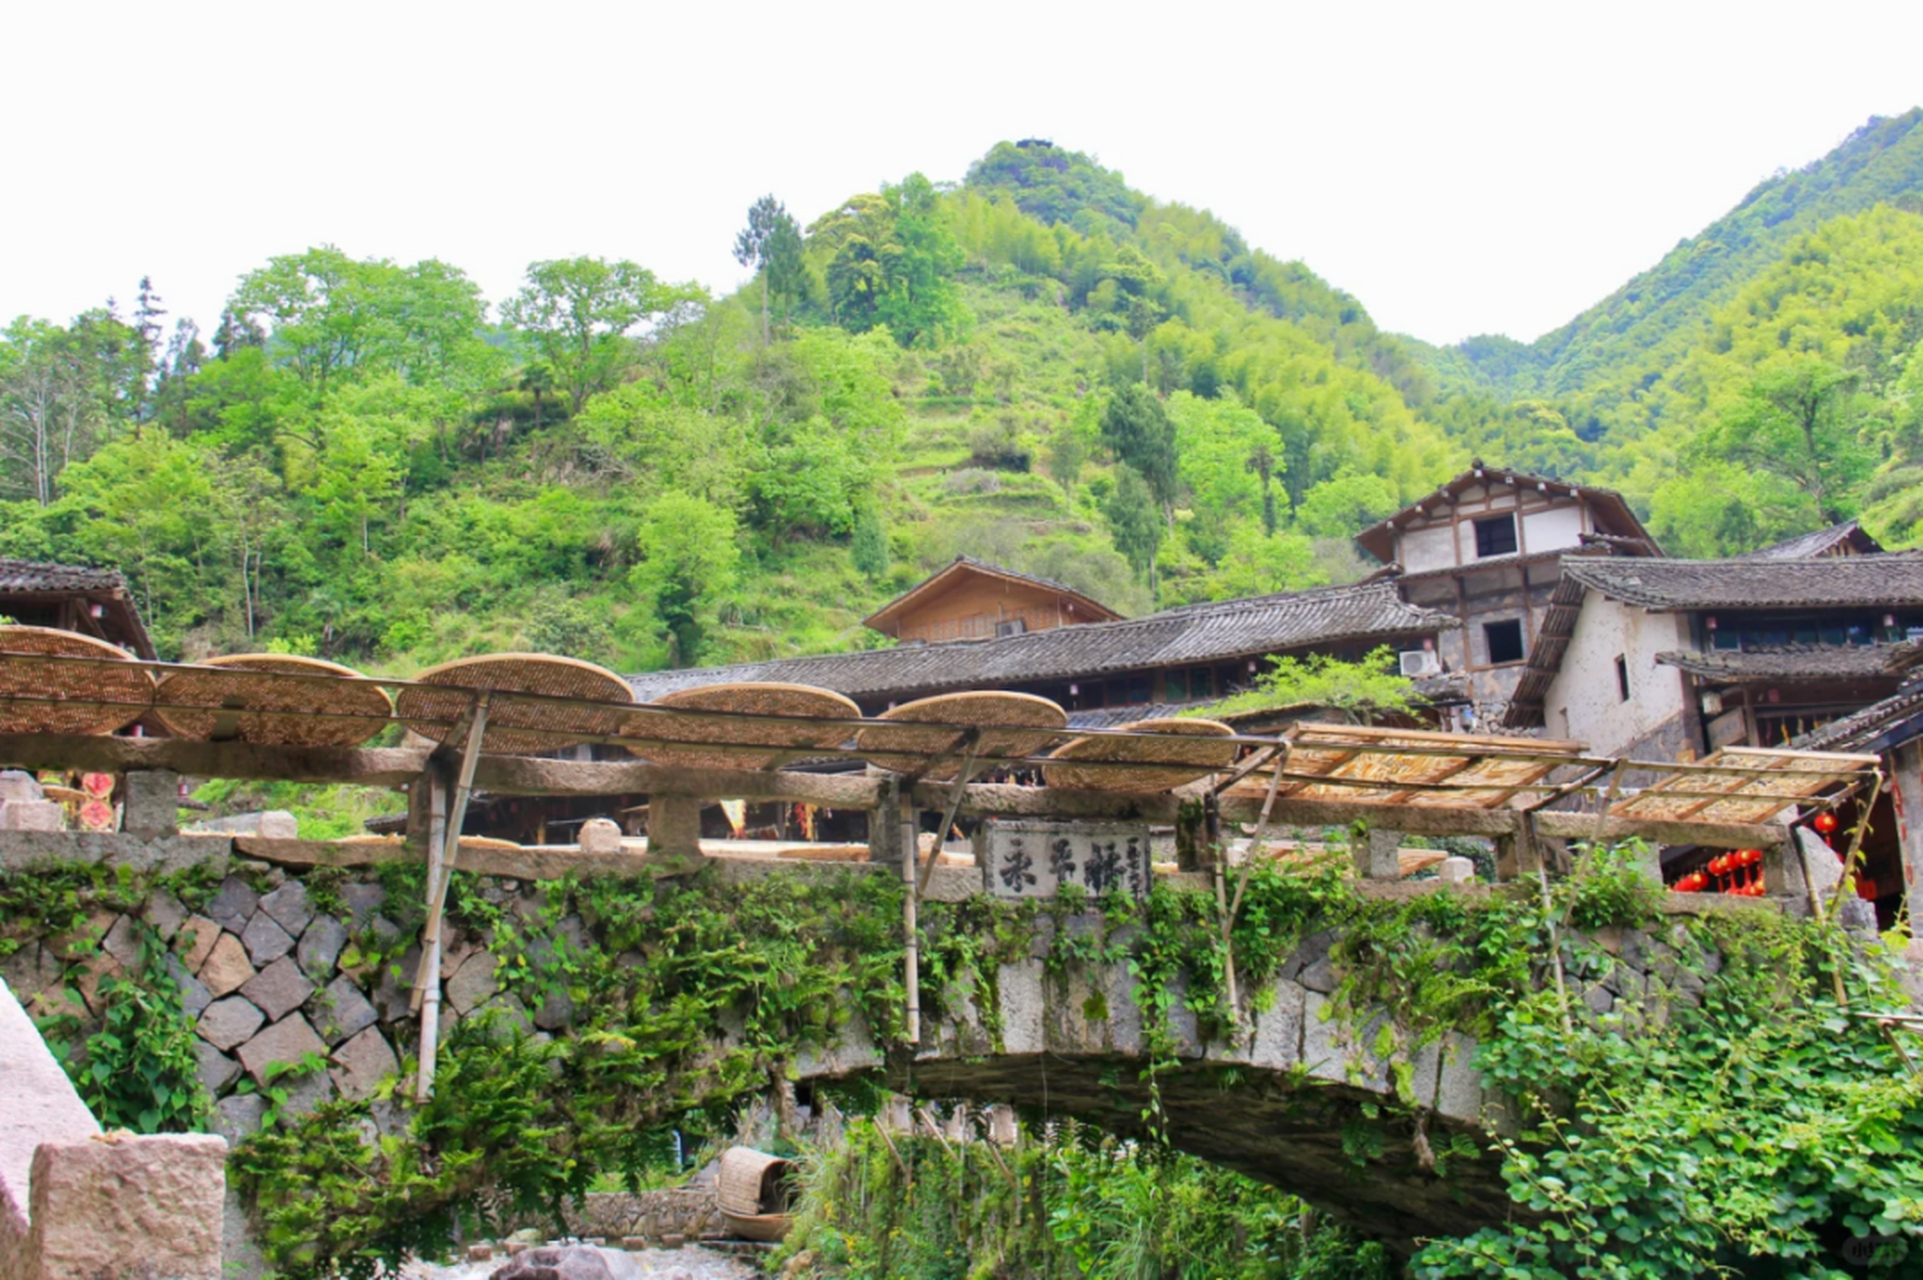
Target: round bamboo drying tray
(344, 710)
(1013, 724)
(752, 1191)
(517, 726)
(41, 695)
(746, 698)
(1191, 748)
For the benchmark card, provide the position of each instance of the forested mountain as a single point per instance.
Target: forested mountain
(1037, 365)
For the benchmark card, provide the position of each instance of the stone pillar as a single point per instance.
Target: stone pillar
(884, 825)
(1517, 854)
(151, 804)
(674, 827)
(1193, 835)
(1375, 855)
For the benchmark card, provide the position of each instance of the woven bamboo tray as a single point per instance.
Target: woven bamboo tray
(67, 697)
(342, 711)
(752, 1191)
(1191, 748)
(517, 726)
(1014, 724)
(746, 698)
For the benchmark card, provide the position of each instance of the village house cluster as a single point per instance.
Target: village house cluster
(1518, 604)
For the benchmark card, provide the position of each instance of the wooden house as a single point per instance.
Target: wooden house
(93, 602)
(974, 600)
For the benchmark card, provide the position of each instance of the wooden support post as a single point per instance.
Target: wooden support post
(429, 805)
(440, 874)
(911, 932)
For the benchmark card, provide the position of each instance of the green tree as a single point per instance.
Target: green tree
(1135, 523)
(1362, 692)
(689, 558)
(869, 542)
(893, 260)
(771, 243)
(578, 312)
(1138, 431)
(1799, 419)
(1346, 505)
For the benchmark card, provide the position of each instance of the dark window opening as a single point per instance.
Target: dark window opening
(1175, 686)
(1496, 536)
(1504, 640)
(1012, 627)
(1130, 691)
(1201, 682)
(1622, 678)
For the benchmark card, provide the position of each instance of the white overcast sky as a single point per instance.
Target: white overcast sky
(1460, 168)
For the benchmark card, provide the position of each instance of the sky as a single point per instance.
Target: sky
(1459, 168)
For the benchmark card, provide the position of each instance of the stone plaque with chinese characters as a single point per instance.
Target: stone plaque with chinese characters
(1026, 858)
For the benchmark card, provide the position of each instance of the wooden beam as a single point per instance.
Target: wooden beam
(366, 767)
(1717, 835)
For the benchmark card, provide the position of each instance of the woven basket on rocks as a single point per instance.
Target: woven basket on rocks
(745, 698)
(39, 694)
(517, 726)
(753, 1191)
(271, 701)
(1191, 748)
(1013, 724)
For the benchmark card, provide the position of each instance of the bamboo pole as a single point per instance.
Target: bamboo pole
(440, 874)
(910, 929)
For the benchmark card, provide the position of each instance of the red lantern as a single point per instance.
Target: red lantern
(1824, 822)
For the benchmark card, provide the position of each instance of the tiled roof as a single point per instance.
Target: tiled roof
(21, 576)
(1810, 545)
(1787, 662)
(1866, 729)
(1873, 581)
(1366, 612)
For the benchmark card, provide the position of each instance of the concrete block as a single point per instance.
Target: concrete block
(233, 905)
(340, 1010)
(150, 804)
(1456, 870)
(32, 815)
(362, 1063)
(266, 941)
(288, 1040)
(226, 968)
(130, 1206)
(289, 907)
(230, 1022)
(320, 946)
(17, 784)
(279, 989)
(600, 835)
(278, 824)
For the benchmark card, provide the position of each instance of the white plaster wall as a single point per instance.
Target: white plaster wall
(1550, 530)
(1425, 549)
(1586, 686)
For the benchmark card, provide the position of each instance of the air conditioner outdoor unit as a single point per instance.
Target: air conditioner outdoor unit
(1419, 662)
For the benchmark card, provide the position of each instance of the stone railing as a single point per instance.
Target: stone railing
(77, 1204)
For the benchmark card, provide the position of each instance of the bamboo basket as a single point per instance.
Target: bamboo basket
(753, 1192)
(1191, 749)
(517, 726)
(343, 711)
(40, 695)
(1014, 725)
(744, 698)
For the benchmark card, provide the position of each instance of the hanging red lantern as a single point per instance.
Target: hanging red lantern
(1824, 822)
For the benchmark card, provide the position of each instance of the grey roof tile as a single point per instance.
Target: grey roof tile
(1364, 612)
(1872, 581)
(30, 575)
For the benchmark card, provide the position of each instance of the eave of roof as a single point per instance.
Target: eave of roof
(1786, 662)
(1809, 545)
(961, 564)
(23, 577)
(1878, 727)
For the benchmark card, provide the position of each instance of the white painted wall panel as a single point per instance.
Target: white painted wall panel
(1553, 529)
(1585, 689)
